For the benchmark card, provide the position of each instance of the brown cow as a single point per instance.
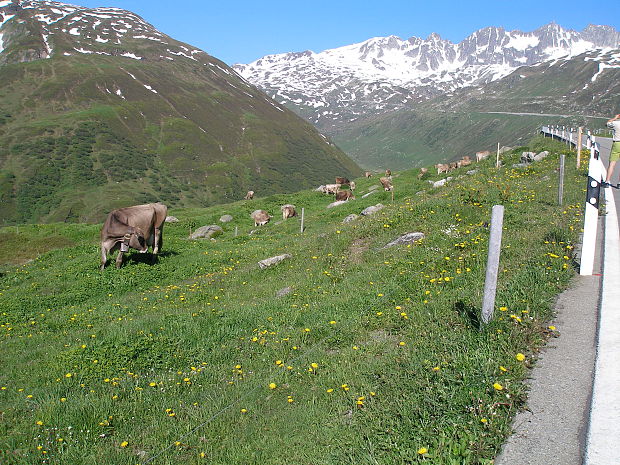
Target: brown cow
(137, 227)
(423, 171)
(388, 173)
(454, 165)
(249, 195)
(344, 195)
(342, 181)
(386, 183)
(260, 217)
(288, 211)
(442, 168)
(352, 185)
(368, 174)
(482, 155)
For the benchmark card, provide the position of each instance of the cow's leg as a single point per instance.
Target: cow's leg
(119, 259)
(104, 257)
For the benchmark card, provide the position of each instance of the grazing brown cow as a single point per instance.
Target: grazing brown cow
(288, 211)
(388, 173)
(386, 183)
(465, 161)
(344, 195)
(352, 185)
(342, 181)
(249, 195)
(482, 155)
(442, 168)
(137, 227)
(368, 174)
(454, 165)
(422, 172)
(260, 217)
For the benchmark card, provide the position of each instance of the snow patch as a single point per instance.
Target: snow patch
(75, 31)
(131, 55)
(4, 3)
(120, 94)
(99, 39)
(150, 88)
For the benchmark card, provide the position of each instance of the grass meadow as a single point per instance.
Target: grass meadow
(374, 356)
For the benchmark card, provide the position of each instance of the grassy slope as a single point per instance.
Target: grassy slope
(70, 144)
(172, 363)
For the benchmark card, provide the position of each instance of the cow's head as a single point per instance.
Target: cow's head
(136, 240)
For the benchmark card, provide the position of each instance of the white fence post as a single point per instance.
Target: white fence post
(495, 244)
(596, 174)
(579, 143)
(303, 214)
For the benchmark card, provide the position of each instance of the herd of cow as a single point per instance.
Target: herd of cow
(141, 226)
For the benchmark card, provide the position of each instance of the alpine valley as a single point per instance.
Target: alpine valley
(403, 103)
(98, 110)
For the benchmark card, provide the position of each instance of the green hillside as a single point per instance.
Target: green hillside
(474, 119)
(348, 352)
(102, 123)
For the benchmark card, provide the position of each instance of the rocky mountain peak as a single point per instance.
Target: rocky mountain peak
(384, 74)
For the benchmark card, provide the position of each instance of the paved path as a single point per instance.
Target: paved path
(573, 414)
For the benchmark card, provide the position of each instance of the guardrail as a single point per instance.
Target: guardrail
(596, 174)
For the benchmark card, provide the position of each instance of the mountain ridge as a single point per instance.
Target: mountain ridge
(337, 86)
(98, 109)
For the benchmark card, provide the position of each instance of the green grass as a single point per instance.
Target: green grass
(172, 363)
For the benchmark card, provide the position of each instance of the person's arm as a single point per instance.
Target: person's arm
(614, 118)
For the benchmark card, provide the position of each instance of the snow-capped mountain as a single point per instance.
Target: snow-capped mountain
(388, 73)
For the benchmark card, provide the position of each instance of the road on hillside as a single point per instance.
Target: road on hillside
(540, 114)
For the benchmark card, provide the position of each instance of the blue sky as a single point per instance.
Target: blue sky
(241, 31)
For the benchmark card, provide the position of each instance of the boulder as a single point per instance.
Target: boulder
(171, 219)
(207, 232)
(527, 157)
(351, 217)
(372, 209)
(470, 172)
(226, 218)
(335, 204)
(273, 260)
(541, 155)
(408, 238)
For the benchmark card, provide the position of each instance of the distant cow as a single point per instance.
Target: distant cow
(388, 173)
(342, 181)
(465, 161)
(352, 185)
(386, 183)
(260, 217)
(368, 174)
(453, 166)
(482, 155)
(442, 168)
(330, 188)
(288, 211)
(344, 195)
(422, 172)
(137, 227)
(249, 195)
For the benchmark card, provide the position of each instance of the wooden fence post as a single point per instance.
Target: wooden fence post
(495, 244)
(561, 183)
(497, 160)
(579, 142)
